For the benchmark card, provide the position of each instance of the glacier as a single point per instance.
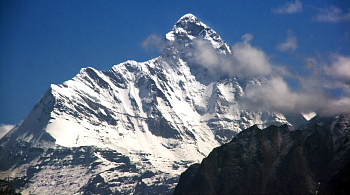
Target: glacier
(132, 129)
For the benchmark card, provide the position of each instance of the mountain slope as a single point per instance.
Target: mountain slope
(133, 128)
(276, 161)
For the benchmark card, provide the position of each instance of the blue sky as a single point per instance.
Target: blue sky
(48, 42)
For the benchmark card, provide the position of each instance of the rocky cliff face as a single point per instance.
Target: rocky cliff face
(133, 128)
(275, 160)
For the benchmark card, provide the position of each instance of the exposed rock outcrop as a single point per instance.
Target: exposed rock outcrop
(312, 160)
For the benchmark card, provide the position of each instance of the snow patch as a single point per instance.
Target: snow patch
(65, 131)
(309, 116)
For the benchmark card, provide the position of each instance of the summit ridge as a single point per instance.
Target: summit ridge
(189, 18)
(189, 27)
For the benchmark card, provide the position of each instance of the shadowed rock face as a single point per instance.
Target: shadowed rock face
(315, 159)
(6, 188)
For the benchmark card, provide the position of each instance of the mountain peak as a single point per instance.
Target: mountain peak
(188, 18)
(189, 27)
(138, 121)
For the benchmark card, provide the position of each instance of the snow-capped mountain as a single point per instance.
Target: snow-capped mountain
(133, 128)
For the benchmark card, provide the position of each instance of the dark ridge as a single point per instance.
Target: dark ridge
(315, 160)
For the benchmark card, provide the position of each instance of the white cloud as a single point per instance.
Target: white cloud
(336, 106)
(245, 61)
(290, 43)
(332, 14)
(4, 128)
(153, 42)
(276, 95)
(206, 55)
(249, 61)
(340, 68)
(247, 37)
(312, 94)
(289, 8)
